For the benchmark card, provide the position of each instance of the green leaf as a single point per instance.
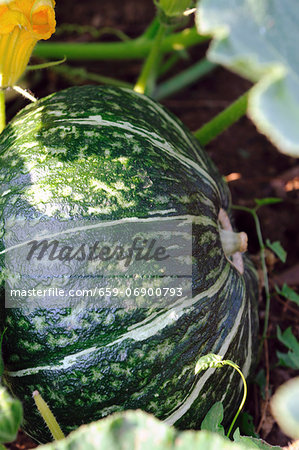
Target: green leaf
(267, 201)
(258, 40)
(252, 442)
(285, 407)
(290, 359)
(138, 430)
(288, 293)
(11, 414)
(246, 424)
(277, 248)
(288, 339)
(213, 419)
(207, 361)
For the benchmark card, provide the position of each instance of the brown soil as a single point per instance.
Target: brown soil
(264, 172)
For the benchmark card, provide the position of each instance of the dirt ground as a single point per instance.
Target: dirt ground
(264, 172)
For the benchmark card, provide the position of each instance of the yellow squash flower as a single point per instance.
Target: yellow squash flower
(22, 24)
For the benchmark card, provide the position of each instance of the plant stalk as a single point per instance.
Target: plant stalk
(151, 30)
(148, 73)
(265, 275)
(223, 120)
(184, 79)
(45, 65)
(229, 363)
(132, 49)
(2, 110)
(253, 212)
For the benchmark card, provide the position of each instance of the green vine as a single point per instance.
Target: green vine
(223, 120)
(253, 212)
(184, 79)
(137, 48)
(146, 80)
(172, 60)
(45, 65)
(214, 361)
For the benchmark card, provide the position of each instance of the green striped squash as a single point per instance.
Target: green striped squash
(112, 155)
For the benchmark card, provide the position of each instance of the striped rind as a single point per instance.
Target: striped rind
(118, 156)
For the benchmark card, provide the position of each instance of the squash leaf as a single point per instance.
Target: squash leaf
(207, 361)
(258, 39)
(246, 424)
(252, 442)
(288, 293)
(267, 201)
(290, 359)
(277, 248)
(138, 430)
(213, 419)
(11, 414)
(285, 407)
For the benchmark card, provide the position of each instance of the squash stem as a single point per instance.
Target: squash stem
(48, 416)
(2, 110)
(233, 242)
(169, 63)
(265, 275)
(149, 70)
(223, 120)
(151, 30)
(183, 79)
(230, 363)
(137, 48)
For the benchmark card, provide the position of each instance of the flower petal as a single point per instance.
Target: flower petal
(22, 24)
(10, 19)
(42, 18)
(15, 50)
